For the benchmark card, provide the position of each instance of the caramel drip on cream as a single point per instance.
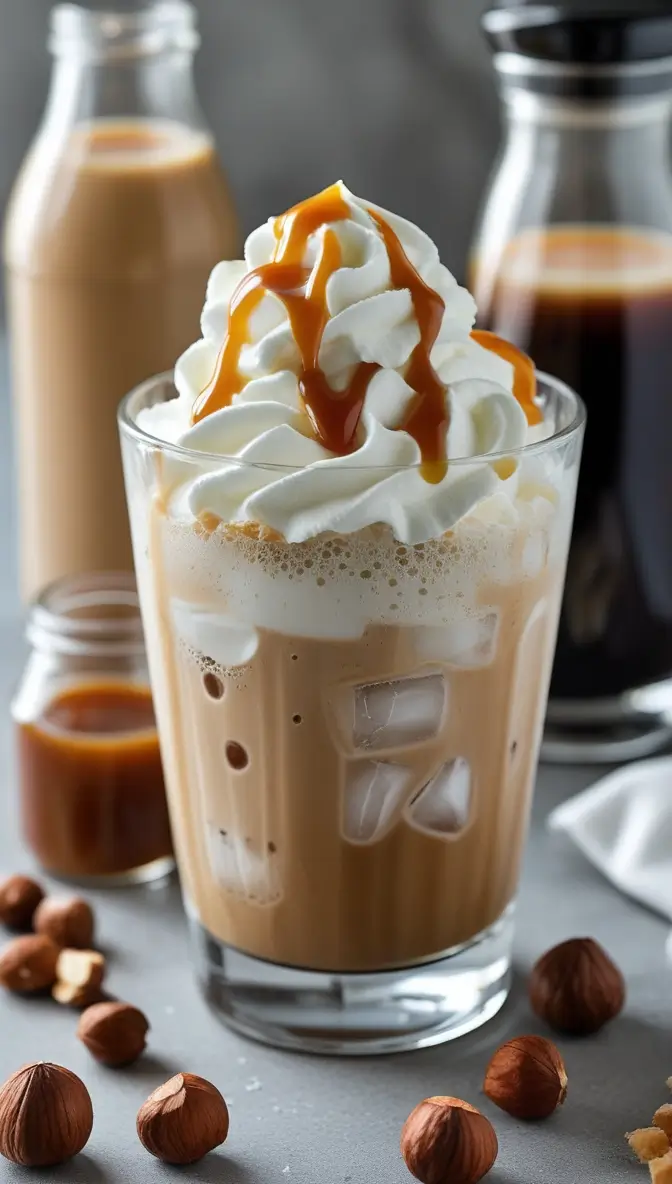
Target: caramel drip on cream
(334, 415)
(524, 374)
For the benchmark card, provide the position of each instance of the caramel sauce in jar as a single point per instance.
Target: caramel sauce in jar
(91, 782)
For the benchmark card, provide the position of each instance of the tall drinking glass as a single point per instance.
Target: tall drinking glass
(350, 730)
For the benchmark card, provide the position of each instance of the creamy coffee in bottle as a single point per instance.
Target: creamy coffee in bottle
(117, 218)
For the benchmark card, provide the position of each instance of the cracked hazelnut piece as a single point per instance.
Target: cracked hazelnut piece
(648, 1143)
(663, 1119)
(527, 1078)
(19, 897)
(68, 922)
(79, 977)
(446, 1139)
(661, 1169)
(576, 988)
(28, 964)
(46, 1116)
(114, 1033)
(183, 1120)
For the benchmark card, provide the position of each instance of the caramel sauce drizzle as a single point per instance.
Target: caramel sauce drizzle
(427, 419)
(524, 374)
(334, 415)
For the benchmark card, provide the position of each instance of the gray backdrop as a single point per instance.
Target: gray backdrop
(394, 96)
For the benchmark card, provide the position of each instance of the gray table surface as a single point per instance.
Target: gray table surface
(308, 1120)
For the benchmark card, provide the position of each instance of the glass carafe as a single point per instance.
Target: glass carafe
(573, 262)
(118, 215)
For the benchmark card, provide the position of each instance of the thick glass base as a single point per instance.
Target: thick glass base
(358, 1014)
(631, 726)
(158, 869)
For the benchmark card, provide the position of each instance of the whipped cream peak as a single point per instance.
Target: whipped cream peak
(342, 350)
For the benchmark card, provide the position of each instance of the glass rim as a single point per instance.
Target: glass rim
(129, 428)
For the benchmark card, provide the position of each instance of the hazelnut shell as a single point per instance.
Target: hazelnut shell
(183, 1120)
(46, 1116)
(68, 922)
(526, 1077)
(446, 1140)
(576, 988)
(114, 1033)
(28, 964)
(19, 897)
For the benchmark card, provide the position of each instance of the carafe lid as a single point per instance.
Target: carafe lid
(591, 32)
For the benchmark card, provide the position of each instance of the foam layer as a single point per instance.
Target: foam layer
(113, 144)
(334, 588)
(590, 260)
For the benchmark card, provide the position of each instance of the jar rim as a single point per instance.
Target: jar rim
(157, 27)
(94, 613)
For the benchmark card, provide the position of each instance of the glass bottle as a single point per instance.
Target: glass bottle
(573, 262)
(118, 215)
(91, 790)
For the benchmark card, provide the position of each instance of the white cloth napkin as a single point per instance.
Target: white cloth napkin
(623, 824)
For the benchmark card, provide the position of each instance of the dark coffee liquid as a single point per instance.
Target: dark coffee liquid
(597, 312)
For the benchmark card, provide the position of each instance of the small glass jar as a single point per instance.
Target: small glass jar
(92, 797)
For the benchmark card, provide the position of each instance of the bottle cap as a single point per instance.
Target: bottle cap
(589, 32)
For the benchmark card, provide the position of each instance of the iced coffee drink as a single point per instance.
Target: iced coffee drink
(350, 530)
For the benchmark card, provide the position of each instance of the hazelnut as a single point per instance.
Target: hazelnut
(46, 1115)
(79, 977)
(648, 1143)
(663, 1119)
(576, 987)
(114, 1033)
(28, 963)
(183, 1120)
(661, 1169)
(67, 922)
(447, 1139)
(527, 1078)
(19, 897)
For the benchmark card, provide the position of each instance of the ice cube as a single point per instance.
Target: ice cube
(227, 641)
(241, 870)
(375, 795)
(535, 554)
(395, 714)
(442, 807)
(469, 643)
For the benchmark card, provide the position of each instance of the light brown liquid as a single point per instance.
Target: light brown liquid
(261, 757)
(109, 247)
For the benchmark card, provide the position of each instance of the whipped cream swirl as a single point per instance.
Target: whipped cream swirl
(273, 470)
